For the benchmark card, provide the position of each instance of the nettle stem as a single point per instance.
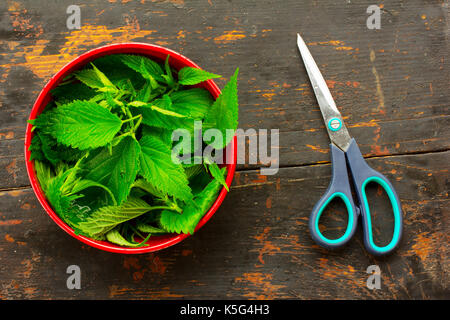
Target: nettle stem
(138, 123)
(161, 208)
(131, 119)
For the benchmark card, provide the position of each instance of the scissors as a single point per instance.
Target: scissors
(345, 155)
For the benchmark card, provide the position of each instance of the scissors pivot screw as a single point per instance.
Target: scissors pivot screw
(334, 124)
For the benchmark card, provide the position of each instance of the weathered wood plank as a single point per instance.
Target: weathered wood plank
(256, 246)
(390, 84)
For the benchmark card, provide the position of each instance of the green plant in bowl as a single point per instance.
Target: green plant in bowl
(103, 148)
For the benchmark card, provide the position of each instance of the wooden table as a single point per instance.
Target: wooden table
(390, 84)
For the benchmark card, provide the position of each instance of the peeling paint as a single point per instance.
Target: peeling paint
(340, 45)
(11, 222)
(44, 66)
(163, 293)
(6, 135)
(266, 290)
(380, 93)
(267, 247)
(317, 148)
(230, 36)
(12, 169)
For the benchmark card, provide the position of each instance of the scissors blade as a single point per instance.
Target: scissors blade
(333, 120)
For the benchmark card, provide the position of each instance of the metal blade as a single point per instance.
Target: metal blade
(333, 120)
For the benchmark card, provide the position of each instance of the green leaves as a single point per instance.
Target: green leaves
(104, 154)
(191, 76)
(43, 173)
(155, 116)
(217, 174)
(80, 124)
(148, 187)
(61, 193)
(115, 169)
(116, 237)
(89, 78)
(147, 68)
(95, 79)
(223, 114)
(187, 221)
(72, 91)
(156, 166)
(52, 150)
(193, 103)
(106, 218)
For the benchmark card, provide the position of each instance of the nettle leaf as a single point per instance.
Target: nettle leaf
(96, 79)
(217, 174)
(200, 182)
(193, 103)
(149, 187)
(116, 170)
(89, 78)
(80, 124)
(164, 106)
(156, 166)
(55, 152)
(114, 236)
(168, 76)
(83, 184)
(73, 91)
(110, 102)
(116, 71)
(43, 173)
(151, 218)
(148, 68)
(107, 218)
(35, 149)
(158, 115)
(223, 114)
(62, 200)
(138, 193)
(193, 170)
(94, 198)
(62, 193)
(146, 228)
(164, 134)
(144, 93)
(101, 76)
(137, 104)
(127, 87)
(191, 76)
(193, 212)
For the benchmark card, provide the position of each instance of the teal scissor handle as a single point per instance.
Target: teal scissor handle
(362, 175)
(339, 188)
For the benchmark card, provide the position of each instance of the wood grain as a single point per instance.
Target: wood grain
(391, 86)
(257, 246)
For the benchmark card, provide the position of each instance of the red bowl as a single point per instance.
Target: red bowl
(158, 53)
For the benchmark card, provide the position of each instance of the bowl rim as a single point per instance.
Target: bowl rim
(153, 51)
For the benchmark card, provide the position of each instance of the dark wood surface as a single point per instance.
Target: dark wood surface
(391, 85)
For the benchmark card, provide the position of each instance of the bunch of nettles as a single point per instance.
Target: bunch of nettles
(102, 148)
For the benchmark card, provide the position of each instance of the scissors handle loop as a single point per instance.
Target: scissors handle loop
(339, 188)
(362, 175)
